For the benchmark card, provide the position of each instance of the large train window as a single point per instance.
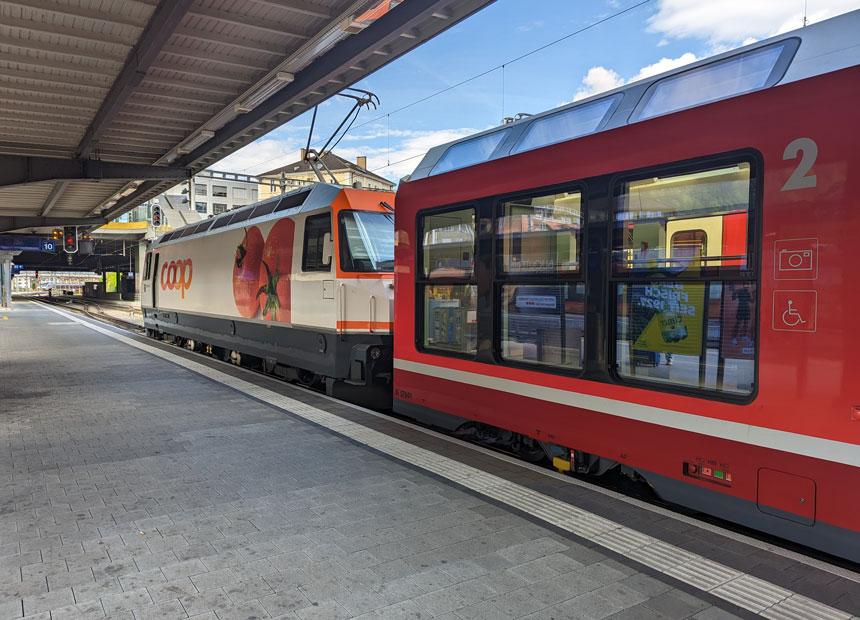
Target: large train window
(567, 124)
(742, 73)
(469, 153)
(538, 272)
(367, 241)
(685, 290)
(447, 285)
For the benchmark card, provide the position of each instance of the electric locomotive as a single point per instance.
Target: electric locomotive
(300, 286)
(659, 279)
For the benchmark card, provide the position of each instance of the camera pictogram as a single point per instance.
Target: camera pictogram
(795, 260)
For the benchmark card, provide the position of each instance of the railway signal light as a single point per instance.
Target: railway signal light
(70, 239)
(156, 216)
(57, 234)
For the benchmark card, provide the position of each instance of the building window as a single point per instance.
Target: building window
(200, 207)
(316, 229)
(240, 193)
(199, 189)
(448, 288)
(218, 208)
(219, 191)
(685, 293)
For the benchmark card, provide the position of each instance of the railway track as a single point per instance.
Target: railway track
(92, 309)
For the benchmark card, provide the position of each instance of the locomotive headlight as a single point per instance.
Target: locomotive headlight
(375, 353)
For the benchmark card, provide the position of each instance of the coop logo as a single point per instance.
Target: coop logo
(176, 275)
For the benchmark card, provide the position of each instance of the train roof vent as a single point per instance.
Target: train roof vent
(469, 153)
(221, 221)
(263, 209)
(293, 200)
(568, 124)
(204, 225)
(737, 75)
(240, 216)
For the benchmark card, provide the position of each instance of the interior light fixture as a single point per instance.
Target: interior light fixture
(195, 141)
(281, 79)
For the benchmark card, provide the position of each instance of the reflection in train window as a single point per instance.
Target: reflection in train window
(655, 216)
(540, 235)
(733, 76)
(543, 324)
(450, 318)
(695, 334)
(447, 284)
(449, 244)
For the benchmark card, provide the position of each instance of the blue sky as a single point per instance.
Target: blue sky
(645, 40)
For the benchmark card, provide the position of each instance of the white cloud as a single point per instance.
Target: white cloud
(664, 64)
(601, 79)
(597, 80)
(260, 156)
(731, 22)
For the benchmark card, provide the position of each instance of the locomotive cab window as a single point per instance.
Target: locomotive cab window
(683, 279)
(366, 241)
(317, 234)
(447, 285)
(539, 289)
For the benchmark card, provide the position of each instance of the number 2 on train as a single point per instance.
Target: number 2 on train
(799, 178)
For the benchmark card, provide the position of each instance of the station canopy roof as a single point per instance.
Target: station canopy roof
(107, 103)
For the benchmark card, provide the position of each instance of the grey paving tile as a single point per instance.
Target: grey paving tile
(172, 590)
(676, 604)
(284, 602)
(208, 600)
(48, 601)
(168, 610)
(127, 600)
(250, 610)
(91, 610)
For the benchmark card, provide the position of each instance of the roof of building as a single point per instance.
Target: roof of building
(333, 162)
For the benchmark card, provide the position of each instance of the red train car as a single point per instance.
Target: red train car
(658, 278)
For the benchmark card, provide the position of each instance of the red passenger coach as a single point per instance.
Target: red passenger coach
(658, 278)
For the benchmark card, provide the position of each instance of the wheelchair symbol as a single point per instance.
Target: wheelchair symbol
(791, 317)
(795, 311)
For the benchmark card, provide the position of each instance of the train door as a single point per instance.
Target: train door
(146, 287)
(314, 285)
(148, 293)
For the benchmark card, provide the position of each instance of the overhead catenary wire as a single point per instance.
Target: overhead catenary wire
(477, 76)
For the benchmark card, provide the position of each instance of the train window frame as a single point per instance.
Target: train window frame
(754, 259)
(318, 250)
(148, 266)
(501, 278)
(423, 281)
(789, 49)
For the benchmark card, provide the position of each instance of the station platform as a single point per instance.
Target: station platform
(141, 481)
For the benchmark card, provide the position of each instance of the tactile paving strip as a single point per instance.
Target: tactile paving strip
(756, 595)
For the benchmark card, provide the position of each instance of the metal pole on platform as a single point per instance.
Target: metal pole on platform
(5, 281)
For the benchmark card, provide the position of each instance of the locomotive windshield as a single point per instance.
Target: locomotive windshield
(368, 241)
